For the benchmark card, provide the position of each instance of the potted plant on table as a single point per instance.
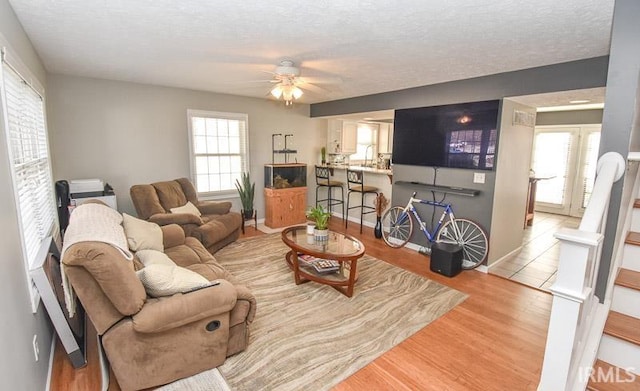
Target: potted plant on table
(246, 190)
(321, 217)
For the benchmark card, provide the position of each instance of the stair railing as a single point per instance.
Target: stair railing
(568, 349)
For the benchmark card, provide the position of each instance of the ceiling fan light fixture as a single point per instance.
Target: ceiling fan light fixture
(287, 91)
(276, 91)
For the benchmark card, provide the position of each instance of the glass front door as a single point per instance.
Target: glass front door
(565, 157)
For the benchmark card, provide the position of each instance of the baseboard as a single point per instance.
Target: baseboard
(104, 366)
(482, 269)
(503, 258)
(51, 356)
(355, 220)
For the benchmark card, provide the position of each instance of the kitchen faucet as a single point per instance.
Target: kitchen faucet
(365, 154)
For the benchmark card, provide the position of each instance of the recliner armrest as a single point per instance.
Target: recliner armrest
(167, 313)
(172, 235)
(214, 207)
(245, 294)
(175, 218)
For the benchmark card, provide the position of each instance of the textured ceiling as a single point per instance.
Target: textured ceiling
(373, 46)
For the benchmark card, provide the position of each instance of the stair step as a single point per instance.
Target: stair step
(607, 377)
(633, 238)
(624, 327)
(628, 279)
(636, 203)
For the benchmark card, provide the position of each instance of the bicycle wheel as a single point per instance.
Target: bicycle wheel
(470, 236)
(397, 227)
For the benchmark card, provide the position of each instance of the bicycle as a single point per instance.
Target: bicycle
(397, 227)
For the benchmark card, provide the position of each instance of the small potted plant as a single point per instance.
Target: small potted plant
(321, 217)
(246, 191)
(323, 155)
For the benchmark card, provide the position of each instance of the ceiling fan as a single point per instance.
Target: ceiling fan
(289, 85)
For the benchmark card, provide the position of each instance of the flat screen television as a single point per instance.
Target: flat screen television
(456, 136)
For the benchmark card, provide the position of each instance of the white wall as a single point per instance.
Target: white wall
(18, 368)
(127, 133)
(512, 182)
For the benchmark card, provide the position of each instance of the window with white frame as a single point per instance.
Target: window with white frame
(28, 154)
(366, 143)
(219, 150)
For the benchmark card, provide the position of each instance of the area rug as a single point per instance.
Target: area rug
(310, 336)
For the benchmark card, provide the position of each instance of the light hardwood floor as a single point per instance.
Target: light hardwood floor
(494, 340)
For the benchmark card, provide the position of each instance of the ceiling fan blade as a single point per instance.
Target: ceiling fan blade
(314, 88)
(250, 82)
(320, 80)
(260, 81)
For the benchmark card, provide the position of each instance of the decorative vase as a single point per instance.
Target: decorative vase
(321, 235)
(377, 231)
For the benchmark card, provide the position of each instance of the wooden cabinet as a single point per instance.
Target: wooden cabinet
(342, 136)
(285, 207)
(385, 138)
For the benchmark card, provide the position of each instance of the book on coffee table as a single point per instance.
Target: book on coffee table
(318, 264)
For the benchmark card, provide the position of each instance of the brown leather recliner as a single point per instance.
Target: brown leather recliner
(154, 341)
(217, 226)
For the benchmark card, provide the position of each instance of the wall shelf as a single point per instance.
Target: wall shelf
(285, 151)
(441, 189)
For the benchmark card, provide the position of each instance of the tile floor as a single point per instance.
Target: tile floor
(537, 263)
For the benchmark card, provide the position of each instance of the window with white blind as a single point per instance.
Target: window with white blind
(28, 154)
(366, 143)
(219, 150)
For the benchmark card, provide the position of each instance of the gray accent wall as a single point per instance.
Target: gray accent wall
(500, 205)
(127, 133)
(620, 123)
(476, 208)
(18, 325)
(589, 73)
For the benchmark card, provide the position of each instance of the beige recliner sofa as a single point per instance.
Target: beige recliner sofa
(217, 226)
(154, 341)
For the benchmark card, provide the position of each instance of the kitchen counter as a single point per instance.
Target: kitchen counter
(372, 170)
(372, 177)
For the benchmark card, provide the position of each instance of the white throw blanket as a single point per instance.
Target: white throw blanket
(92, 223)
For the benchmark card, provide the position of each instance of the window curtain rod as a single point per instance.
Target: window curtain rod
(7, 59)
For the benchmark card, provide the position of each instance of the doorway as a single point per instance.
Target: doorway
(567, 157)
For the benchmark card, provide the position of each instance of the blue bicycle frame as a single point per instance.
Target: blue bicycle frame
(448, 211)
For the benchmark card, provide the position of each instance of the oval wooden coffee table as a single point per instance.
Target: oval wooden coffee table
(344, 249)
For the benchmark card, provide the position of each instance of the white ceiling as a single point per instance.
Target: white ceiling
(373, 46)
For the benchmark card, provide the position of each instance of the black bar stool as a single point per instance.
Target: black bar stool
(322, 180)
(355, 183)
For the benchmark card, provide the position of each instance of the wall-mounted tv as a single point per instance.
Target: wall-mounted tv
(458, 136)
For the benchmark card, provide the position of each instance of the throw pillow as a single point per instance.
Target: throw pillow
(142, 235)
(163, 280)
(187, 208)
(154, 257)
